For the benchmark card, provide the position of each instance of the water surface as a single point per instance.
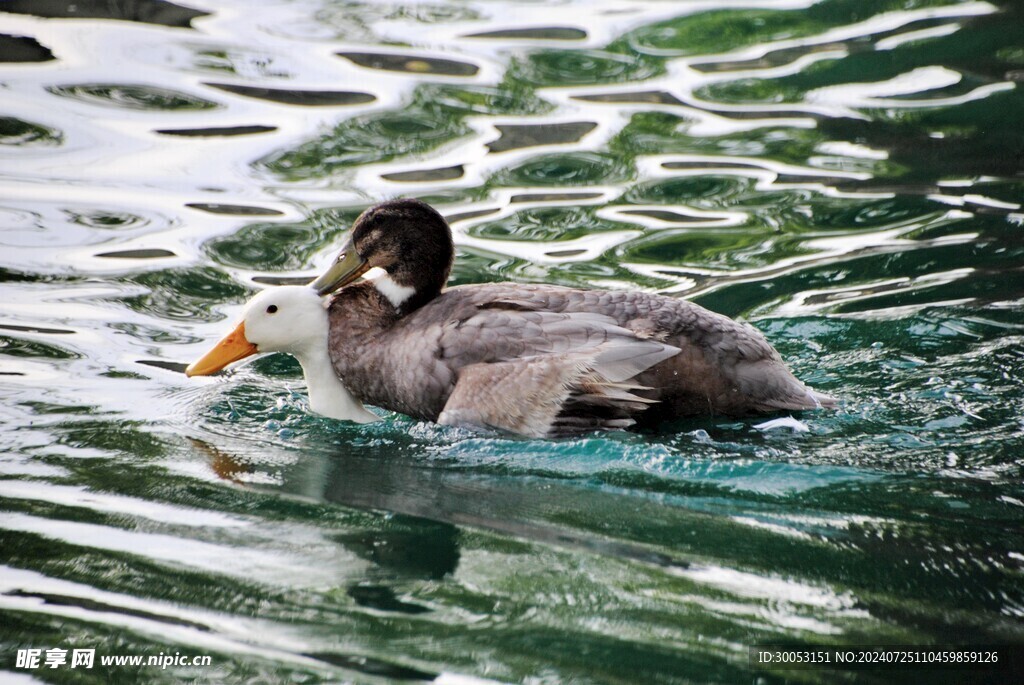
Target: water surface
(845, 175)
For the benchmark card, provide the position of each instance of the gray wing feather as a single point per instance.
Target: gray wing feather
(522, 396)
(621, 360)
(538, 372)
(574, 378)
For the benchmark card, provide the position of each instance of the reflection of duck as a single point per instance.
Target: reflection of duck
(532, 359)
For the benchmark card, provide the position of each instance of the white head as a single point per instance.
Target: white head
(285, 319)
(290, 319)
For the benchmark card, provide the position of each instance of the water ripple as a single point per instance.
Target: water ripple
(843, 174)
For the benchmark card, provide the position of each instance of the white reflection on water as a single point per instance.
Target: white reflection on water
(289, 557)
(74, 496)
(788, 604)
(111, 153)
(846, 99)
(165, 623)
(120, 194)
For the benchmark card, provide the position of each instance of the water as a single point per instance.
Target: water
(846, 175)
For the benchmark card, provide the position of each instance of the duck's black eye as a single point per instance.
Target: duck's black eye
(272, 309)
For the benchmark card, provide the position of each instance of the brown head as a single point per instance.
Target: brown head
(406, 238)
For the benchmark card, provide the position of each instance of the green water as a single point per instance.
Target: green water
(845, 174)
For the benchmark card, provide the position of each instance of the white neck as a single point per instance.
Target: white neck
(396, 294)
(327, 394)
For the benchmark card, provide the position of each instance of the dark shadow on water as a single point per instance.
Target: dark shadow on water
(140, 253)
(93, 605)
(514, 507)
(412, 547)
(16, 132)
(382, 598)
(433, 500)
(425, 175)
(177, 367)
(410, 63)
(139, 97)
(35, 329)
(371, 666)
(216, 131)
(283, 280)
(233, 210)
(22, 49)
(534, 33)
(291, 96)
(517, 136)
(145, 11)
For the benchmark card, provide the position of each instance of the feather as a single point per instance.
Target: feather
(625, 359)
(546, 360)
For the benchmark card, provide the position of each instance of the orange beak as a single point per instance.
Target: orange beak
(231, 348)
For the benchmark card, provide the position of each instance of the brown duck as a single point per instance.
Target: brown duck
(539, 360)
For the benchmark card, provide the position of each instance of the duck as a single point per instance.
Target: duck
(380, 327)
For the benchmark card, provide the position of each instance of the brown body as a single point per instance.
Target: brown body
(542, 360)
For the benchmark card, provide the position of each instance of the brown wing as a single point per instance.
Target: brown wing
(554, 394)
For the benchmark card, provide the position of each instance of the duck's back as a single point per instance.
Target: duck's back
(653, 356)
